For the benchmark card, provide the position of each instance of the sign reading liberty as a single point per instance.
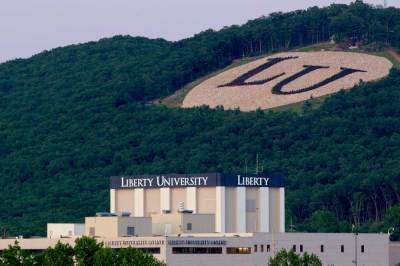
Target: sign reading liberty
(278, 88)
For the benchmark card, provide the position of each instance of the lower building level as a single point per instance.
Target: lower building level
(246, 248)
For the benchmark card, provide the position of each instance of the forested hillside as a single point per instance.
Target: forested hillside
(73, 116)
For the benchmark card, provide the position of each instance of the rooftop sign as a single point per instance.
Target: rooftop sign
(195, 180)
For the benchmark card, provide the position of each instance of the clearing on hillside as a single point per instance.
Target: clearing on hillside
(286, 78)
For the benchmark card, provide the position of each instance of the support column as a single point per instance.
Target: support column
(113, 206)
(139, 202)
(241, 209)
(191, 199)
(220, 209)
(263, 215)
(165, 199)
(282, 209)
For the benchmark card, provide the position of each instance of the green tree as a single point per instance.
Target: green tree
(105, 257)
(285, 258)
(15, 256)
(85, 248)
(323, 221)
(391, 222)
(60, 255)
(135, 257)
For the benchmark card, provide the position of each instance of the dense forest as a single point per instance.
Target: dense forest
(73, 116)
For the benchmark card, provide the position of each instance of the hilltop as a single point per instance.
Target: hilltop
(73, 116)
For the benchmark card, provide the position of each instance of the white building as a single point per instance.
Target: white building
(240, 203)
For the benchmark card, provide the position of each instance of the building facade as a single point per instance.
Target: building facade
(240, 203)
(247, 248)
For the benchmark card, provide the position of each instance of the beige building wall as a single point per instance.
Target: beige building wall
(206, 199)
(166, 223)
(116, 226)
(124, 200)
(57, 230)
(378, 251)
(274, 207)
(394, 253)
(101, 226)
(151, 201)
(177, 195)
(230, 202)
(201, 223)
(252, 207)
(177, 223)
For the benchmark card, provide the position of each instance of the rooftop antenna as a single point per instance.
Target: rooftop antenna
(257, 163)
(384, 3)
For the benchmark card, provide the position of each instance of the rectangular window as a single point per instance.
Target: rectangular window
(238, 250)
(362, 249)
(255, 248)
(91, 231)
(130, 231)
(151, 250)
(322, 248)
(268, 248)
(196, 250)
(342, 248)
(301, 248)
(294, 248)
(189, 226)
(262, 248)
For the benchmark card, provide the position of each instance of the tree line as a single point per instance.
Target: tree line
(86, 252)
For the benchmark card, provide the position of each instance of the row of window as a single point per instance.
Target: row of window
(196, 250)
(294, 248)
(239, 250)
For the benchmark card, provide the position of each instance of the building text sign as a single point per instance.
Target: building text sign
(195, 180)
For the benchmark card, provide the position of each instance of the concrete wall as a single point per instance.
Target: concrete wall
(57, 230)
(177, 222)
(177, 195)
(151, 201)
(201, 223)
(116, 226)
(252, 208)
(206, 200)
(172, 221)
(394, 253)
(236, 209)
(230, 209)
(376, 247)
(124, 200)
(274, 203)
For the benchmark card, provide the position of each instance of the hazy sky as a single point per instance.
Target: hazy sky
(30, 26)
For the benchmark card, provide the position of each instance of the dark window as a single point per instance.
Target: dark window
(196, 250)
(322, 248)
(262, 248)
(294, 248)
(362, 249)
(268, 248)
(342, 248)
(130, 231)
(189, 226)
(255, 248)
(151, 250)
(301, 248)
(240, 250)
